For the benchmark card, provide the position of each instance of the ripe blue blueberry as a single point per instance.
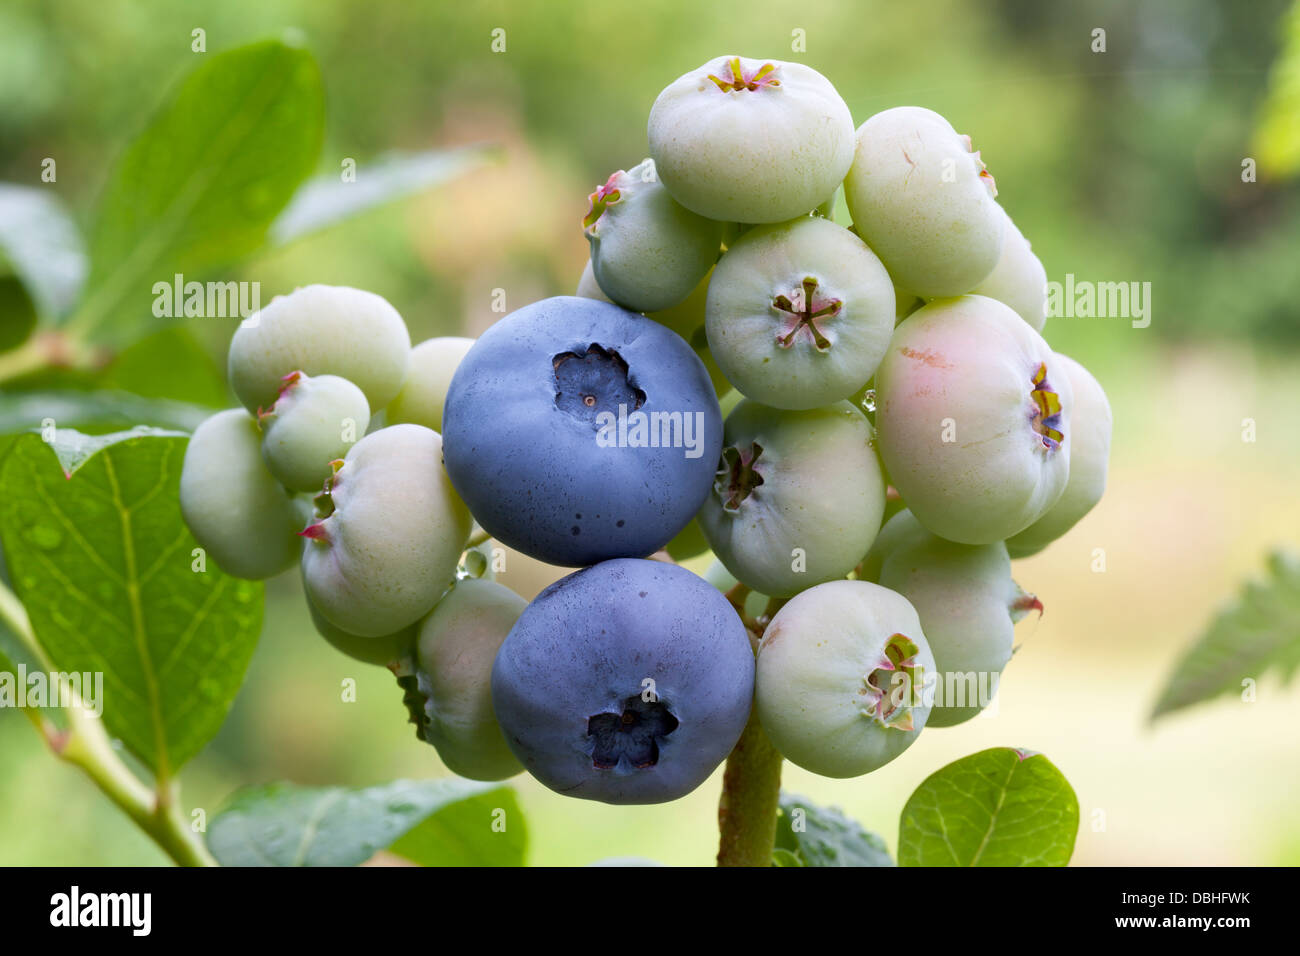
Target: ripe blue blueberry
(577, 431)
(626, 682)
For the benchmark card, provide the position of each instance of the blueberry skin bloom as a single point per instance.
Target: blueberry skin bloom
(626, 682)
(577, 431)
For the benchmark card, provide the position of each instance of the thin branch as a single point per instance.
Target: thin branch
(86, 744)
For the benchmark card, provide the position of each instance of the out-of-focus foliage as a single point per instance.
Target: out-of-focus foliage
(201, 185)
(1122, 165)
(1257, 634)
(42, 246)
(1279, 130)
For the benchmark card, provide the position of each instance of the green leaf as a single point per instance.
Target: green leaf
(486, 829)
(998, 807)
(30, 411)
(809, 835)
(201, 185)
(17, 313)
(98, 553)
(1277, 140)
(327, 200)
(42, 244)
(170, 364)
(434, 822)
(1244, 641)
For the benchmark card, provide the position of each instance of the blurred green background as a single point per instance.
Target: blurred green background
(1118, 166)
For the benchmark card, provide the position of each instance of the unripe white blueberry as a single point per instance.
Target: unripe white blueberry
(391, 536)
(924, 202)
(433, 363)
(1090, 431)
(382, 650)
(904, 304)
(973, 412)
(839, 674)
(236, 510)
(320, 330)
(799, 313)
(1019, 279)
(687, 319)
(457, 644)
(588, 287)
(743, 140)
(647, 251)
(798, 496)
(967, 603)
(314, 421)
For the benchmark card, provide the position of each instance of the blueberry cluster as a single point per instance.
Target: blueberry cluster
(896, 430)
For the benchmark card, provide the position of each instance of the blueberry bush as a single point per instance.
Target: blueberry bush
(808, 351)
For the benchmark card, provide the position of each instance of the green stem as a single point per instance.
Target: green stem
(736, 597)
(50, 348)
(478, 537)
(28, 357)
(751, 787)
(85, 744)
(751, 784)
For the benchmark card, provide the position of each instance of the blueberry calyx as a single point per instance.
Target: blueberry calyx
(604, 196)
(986, 177)
(633, 734)
(736, 476)
(594, 380)
(1046, 415)
(738, 81)
(805, 309)
(892, 687)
